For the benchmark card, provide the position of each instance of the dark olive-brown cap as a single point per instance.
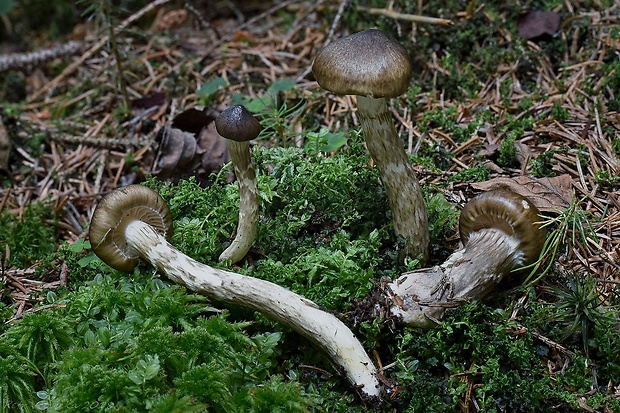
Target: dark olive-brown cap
(368, 63)
(509, 212)
(112, 215)
(238, 124)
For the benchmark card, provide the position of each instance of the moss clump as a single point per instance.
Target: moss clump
(29, 238)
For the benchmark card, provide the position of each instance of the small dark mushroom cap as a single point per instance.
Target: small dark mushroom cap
(369, 63)
(114, 212)
(238, 124)
(509, 212)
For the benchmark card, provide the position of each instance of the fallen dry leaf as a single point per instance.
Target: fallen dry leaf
(177, 150)
(548, 194)
(190, 146)
(214, 153)
(535, 24)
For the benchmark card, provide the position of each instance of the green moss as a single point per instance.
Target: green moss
(477, 173)
(541, 166)
(29, 238)
(473, 345)
(508, 151)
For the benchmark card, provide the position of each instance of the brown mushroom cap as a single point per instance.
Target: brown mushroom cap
(509, 212)
(368, 63)
(238, 124)
(111, 217)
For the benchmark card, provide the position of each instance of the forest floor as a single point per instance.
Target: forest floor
(495, 101)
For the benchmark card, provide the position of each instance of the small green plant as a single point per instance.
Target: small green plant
(41, 337)
(558, 112)
(568, 229)
(541, 165)
(324, 141)
(507, 151)
(209, 90)
(579, 308)
(29, 238)
(474, 344)
(442, 217)
(17, 379)
(276, 113)
(605, 179)
(478, 173)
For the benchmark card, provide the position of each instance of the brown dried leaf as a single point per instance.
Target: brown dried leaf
(176, 151)
(213, 150)
(190, 146)
(535, 24)
(548, 194)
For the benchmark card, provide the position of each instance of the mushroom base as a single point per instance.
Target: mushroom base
(420, 298)
(324, 330)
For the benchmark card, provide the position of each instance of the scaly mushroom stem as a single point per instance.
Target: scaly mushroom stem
(401, 184)
(239, 126)
(421, 297)
(248, 202)
(323, 329)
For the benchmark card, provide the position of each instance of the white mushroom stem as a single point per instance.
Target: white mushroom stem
(401, 184)
(248, 202)
(421, 297)
(323, 329)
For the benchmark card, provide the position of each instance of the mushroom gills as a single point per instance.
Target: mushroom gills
(509, 212)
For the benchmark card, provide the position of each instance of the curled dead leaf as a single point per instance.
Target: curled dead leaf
(190, 146)
(548, 194)
(177, 150)
(213, 152)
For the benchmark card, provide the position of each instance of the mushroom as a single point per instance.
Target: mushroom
(374, 67)
(500, 231)
(239, 126)
(134, 221)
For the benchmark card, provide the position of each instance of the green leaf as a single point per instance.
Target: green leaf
(87, 260)
(260, 104)
(335, 141)
(282, 85)
(6, 6)
(79, 246)
(210, 88)
(324, 141)
(145, 370)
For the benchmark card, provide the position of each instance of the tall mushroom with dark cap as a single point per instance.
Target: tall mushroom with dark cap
(500, 231)
(239, 126)
(134, 222)
(374, 67)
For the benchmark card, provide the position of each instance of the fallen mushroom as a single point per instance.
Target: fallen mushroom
(239, 126)
(134, 222)
(374, 67)
(500, 231)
